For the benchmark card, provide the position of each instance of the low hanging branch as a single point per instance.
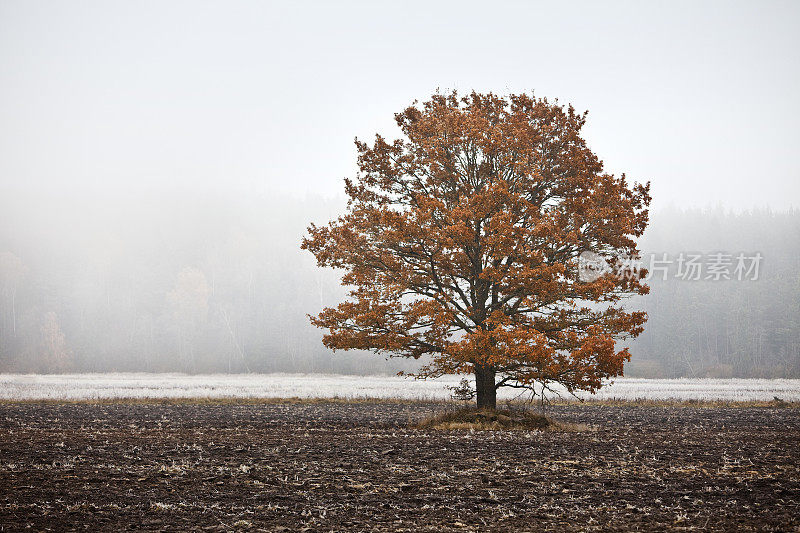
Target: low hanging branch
(462, 242)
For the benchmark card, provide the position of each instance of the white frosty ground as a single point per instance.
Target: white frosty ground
(97, 386)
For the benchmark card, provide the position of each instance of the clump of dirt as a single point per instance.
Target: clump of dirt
(487, 419)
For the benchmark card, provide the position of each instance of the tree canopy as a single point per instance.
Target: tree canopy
(463, 239)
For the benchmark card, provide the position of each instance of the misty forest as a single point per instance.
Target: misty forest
(197, 282)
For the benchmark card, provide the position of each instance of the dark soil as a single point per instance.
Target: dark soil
(338, 466)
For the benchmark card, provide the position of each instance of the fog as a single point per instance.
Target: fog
(160, 161)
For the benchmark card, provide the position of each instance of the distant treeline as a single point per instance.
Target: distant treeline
(195, 282)
(722, 327)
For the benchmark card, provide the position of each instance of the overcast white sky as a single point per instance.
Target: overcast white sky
(699, 97)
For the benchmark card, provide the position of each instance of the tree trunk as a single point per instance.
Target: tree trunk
(485, 387)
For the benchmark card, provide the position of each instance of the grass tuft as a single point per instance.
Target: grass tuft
(487, 419)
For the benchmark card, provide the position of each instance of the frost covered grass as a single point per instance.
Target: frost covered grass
(140, 385)
(699, 389)
(325, 386)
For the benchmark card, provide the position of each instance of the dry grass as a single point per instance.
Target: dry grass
(225, 400)
(514, 405)
(489, 419)
(642, 402)
(559, 425)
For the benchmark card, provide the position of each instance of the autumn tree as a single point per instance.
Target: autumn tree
(462, 242)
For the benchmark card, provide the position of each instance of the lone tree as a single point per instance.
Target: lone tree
(463, 242)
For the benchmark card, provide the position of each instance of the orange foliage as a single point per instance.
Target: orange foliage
(461, 241)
